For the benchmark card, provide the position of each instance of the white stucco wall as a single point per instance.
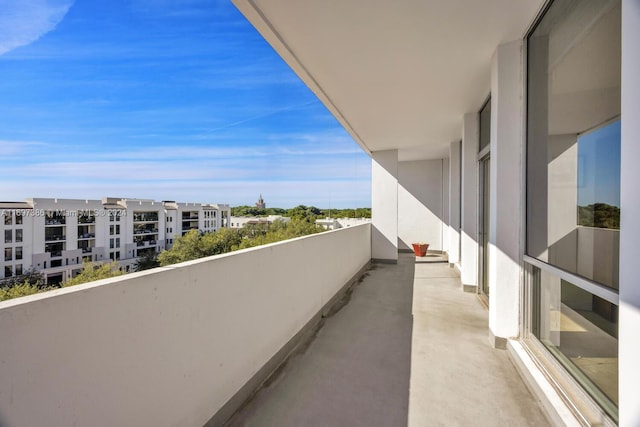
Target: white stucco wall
(629, 317)
(420, 203)
(469, 234)
(506, 216)
(384, 205)
(454, 202)
(168, 346)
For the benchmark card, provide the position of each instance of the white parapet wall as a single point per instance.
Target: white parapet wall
(169, 346)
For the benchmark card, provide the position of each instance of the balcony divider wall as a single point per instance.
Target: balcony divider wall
(179, 345)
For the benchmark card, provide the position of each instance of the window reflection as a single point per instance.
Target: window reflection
(573, 148)
(599, 177)
(573, 188)
(581, 330)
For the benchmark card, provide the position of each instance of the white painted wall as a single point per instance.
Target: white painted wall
(629, 314)
(446, 215)
(454, 201)
(168, 346)
(469, 252)
(507, 143)
(420, 203)
(384, 205)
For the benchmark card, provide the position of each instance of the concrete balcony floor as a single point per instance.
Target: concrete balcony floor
(409, 348)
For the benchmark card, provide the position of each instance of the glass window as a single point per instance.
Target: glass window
(18, 269)
(573, 189)
(573, 150)
(485, 125)
(19, 253)
(581, 331)
(18, 219)
(7, 218)
(7, 271)
(18, 235)
(8, 236)
(8, 254)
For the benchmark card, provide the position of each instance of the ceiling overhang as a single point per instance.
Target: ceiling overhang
(397, 75)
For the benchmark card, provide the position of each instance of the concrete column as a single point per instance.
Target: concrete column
(469, 176)
(446, 214)
(629, 314)
(507, 142)
(454, 202)
(384, 205)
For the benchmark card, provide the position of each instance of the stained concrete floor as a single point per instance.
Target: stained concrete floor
(410, 348)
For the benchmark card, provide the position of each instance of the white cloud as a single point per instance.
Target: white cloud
(19, 148)
(23, 22)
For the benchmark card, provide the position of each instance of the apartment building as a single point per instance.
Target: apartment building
(55, 236)
(241, 221)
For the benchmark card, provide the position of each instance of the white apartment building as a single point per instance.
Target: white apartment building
(55, 236)
(241, 221)
(336, 223)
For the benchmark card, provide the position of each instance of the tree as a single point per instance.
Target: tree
(20, 290)
(31, 276)
(147, 261)
(305, 213)
(194, 245)
(92, 272)
(601, 215)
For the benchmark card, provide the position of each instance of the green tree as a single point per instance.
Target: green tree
(31, 276)
(92, 272)
(194, 245)
(305, 213)
(601, 215)
(147, 261)
(20, 290)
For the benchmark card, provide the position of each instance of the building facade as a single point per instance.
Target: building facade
(55, 236)
(241, 221)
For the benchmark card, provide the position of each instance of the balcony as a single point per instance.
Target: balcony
(142, 231)
(83, 219)
(187, 344)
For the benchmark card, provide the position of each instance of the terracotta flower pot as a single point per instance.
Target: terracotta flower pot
(420, 249)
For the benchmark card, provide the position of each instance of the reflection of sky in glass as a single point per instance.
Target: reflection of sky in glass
(599, 166)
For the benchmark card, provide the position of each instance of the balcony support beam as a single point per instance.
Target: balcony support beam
(455, 159)
(629, 317)
(506, 188)
(469, 202)
(384, 206)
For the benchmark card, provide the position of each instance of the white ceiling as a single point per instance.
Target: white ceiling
(396, 74)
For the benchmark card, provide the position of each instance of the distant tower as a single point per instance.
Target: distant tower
(260, 203)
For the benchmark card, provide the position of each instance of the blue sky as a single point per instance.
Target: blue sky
(162, 99)
(599, 166)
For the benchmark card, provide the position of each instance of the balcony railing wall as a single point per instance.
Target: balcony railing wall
(168, 346)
